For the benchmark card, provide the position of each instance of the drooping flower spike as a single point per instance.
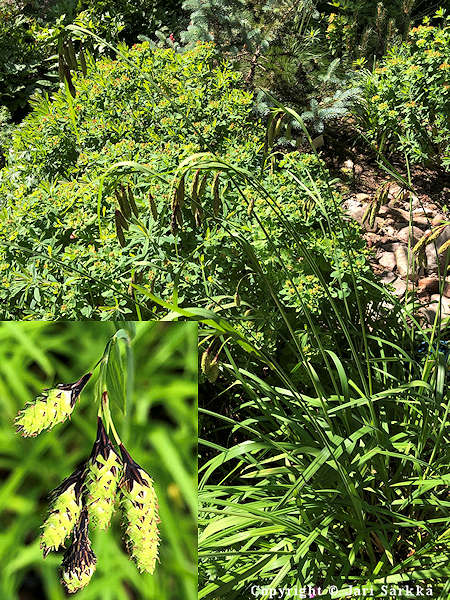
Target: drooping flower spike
(66, 509)
(102, 478)
(140, 511)
(54, 406)
(79, 561)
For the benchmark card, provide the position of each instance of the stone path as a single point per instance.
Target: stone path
(400, 223)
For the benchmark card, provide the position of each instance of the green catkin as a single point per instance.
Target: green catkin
(216, 194)
(102, 478)
(214, 371)
(205, 362)
(181, 191)
(132, 201)
(79, 561)
(68, 78)
(83, 63)
(122, 199)
(61, 67)
(121, 220)
(119, 228)
(153, 208)
(54, 406)
(65, 511)
(140, 511)
(72, 57)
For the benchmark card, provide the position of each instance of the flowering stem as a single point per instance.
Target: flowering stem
(104, 407)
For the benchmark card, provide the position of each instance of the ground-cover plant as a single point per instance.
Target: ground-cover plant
(159, 429)
(406, 99)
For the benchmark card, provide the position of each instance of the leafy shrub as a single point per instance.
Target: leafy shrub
(358, 30)
(24, 52)
(57, 264)
(406, 100)
(6, 129)
(29, 33)
(136, 18)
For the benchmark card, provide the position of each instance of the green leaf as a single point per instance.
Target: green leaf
(115, 377)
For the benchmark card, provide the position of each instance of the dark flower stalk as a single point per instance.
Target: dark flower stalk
(79, 561)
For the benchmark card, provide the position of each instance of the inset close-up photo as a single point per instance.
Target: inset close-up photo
(98, 460)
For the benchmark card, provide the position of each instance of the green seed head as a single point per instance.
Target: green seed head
(140, 509)
(64, 513)
(54, 406)
(79, 561)
(102, 478)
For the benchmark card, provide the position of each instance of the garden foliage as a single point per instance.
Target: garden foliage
(406, 99)
(29, 33)
(67, 253)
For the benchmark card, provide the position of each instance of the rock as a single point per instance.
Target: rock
(376, 225)
(446, 291)
(412, 234)
(404, 216)
(423, 212)
(415, 202)
(429, 285)
(388, 260)
(387, 277)
(400, 214)
(428, 312)
(389, 232)
(442, 303)
(436, 262)
(422, 222)
(387, 246)
(444, 236)
(400, 225)
(318, 141)
(384, 210)
(348, 164)
(362, 197)
(432, 259)
(372, 239)
(405, 266)
(437, 220)
(394, 190)
(354, 209)
(399, 287)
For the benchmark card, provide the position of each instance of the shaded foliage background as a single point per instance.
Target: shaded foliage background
(159, 431)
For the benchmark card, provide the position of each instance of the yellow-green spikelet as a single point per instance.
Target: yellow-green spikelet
(64, 513)
(52, 407)
(102, 478)
(140, 510)
(79, 561)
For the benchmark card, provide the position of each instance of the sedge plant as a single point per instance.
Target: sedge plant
(88, 495)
